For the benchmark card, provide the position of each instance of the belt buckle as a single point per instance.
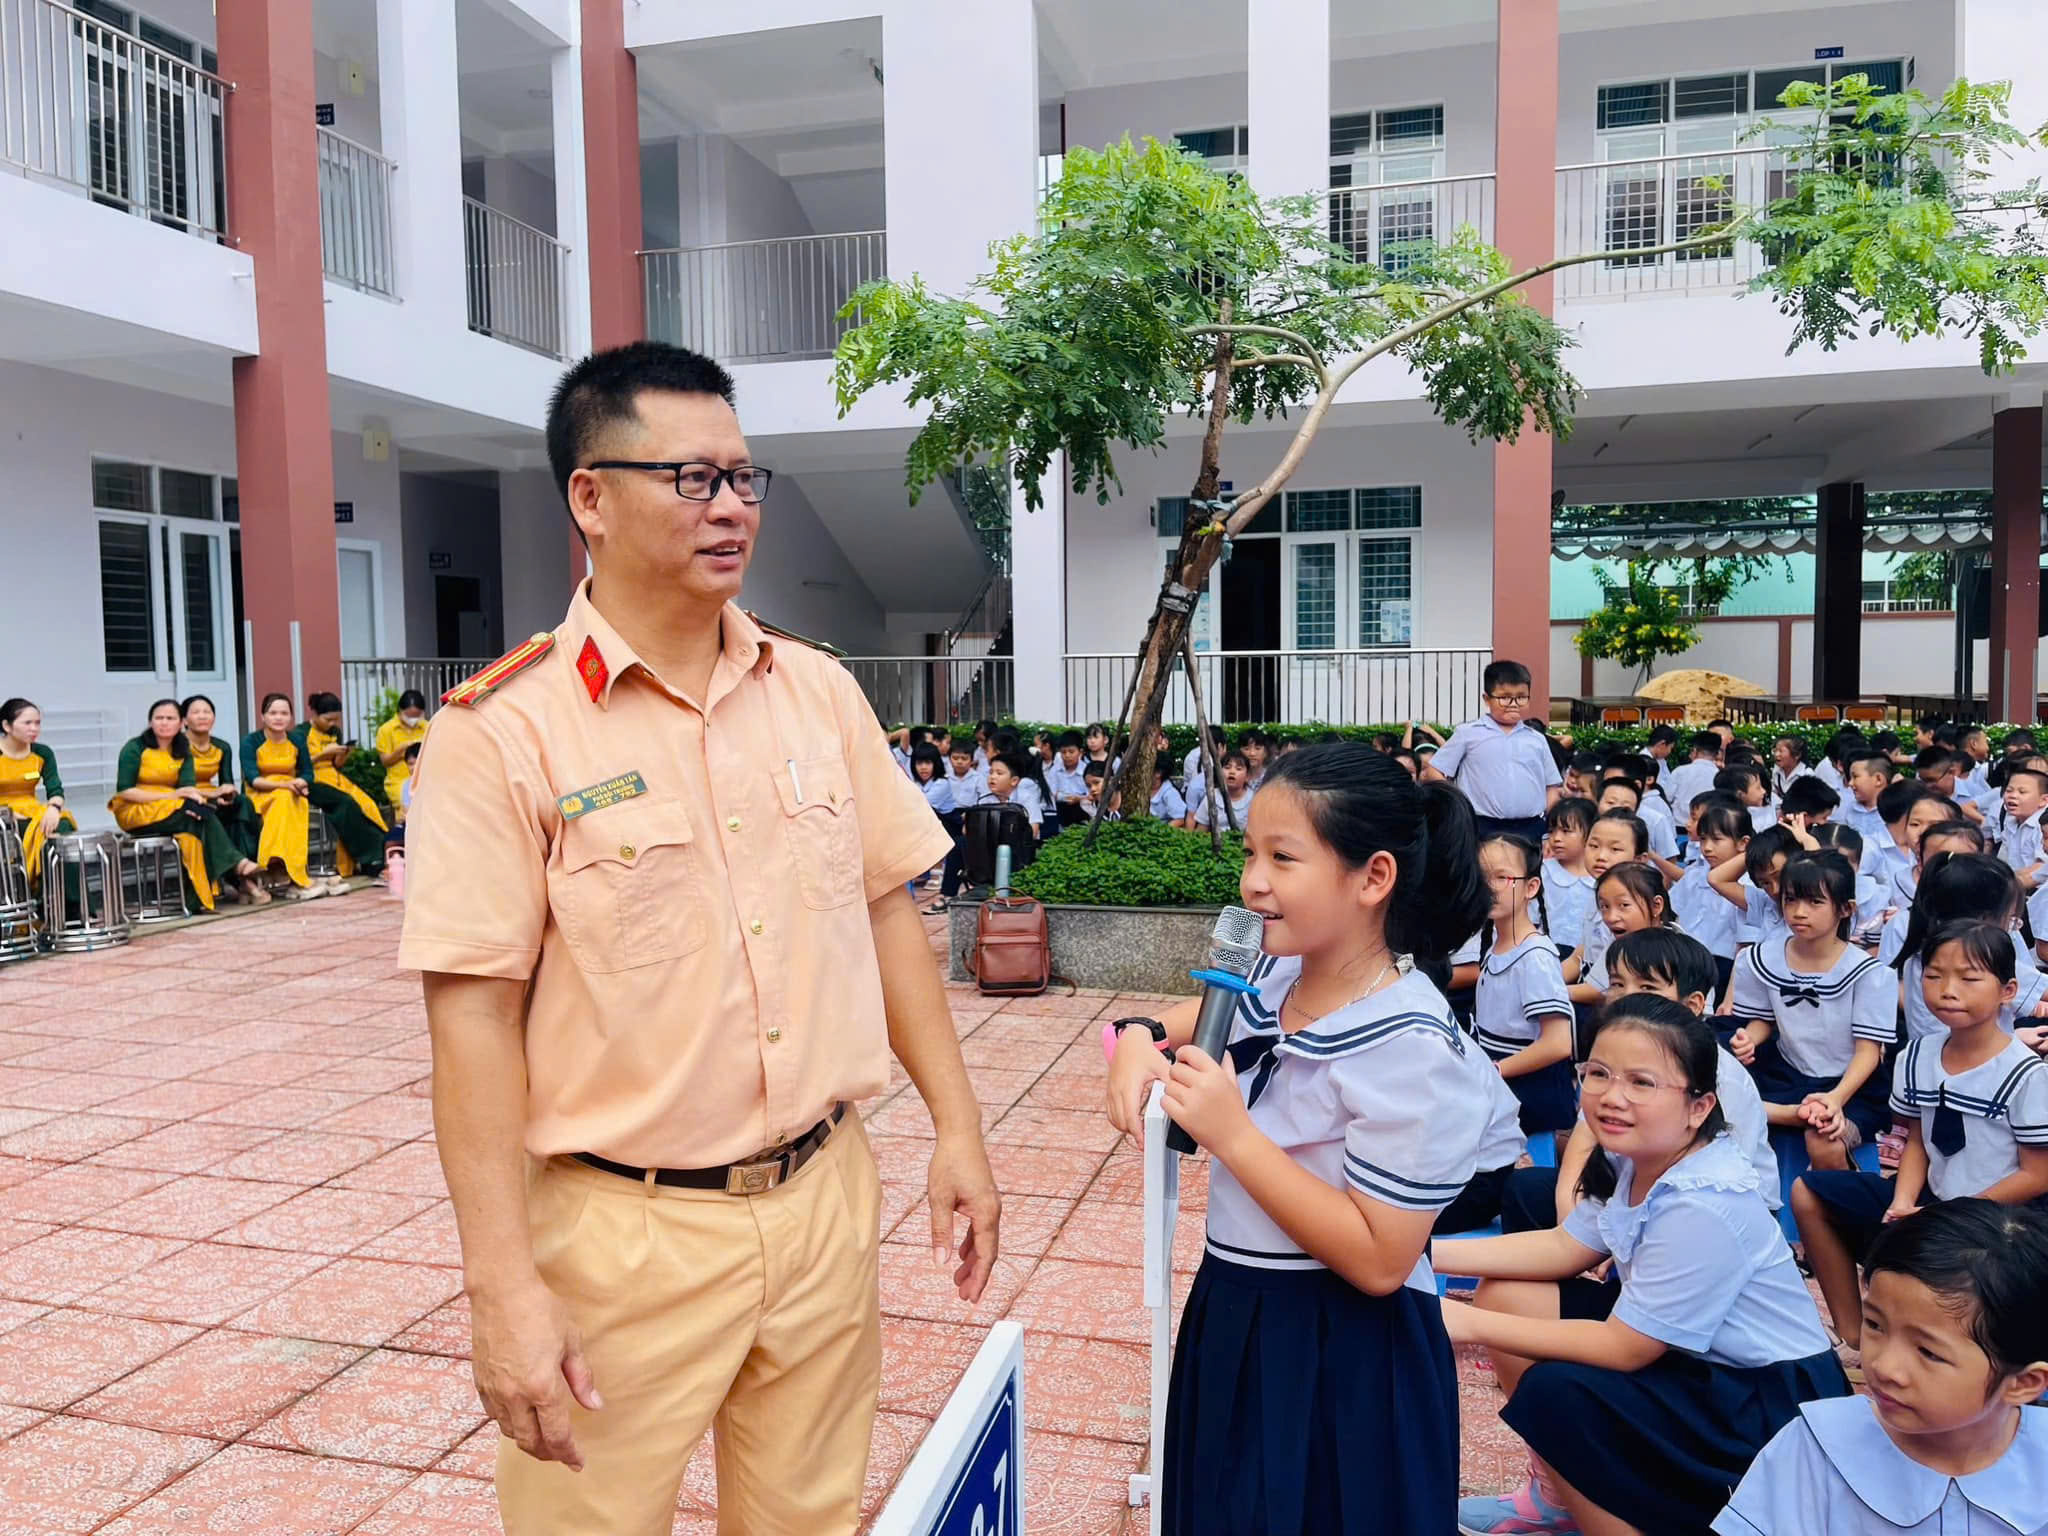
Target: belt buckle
(754, 1177)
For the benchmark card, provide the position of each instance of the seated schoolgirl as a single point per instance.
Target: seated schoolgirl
(1721, 833)
(1095, 776)
(1521, 1014)
(1567, 882)
(1630, 898)
(1206, 807)
(1815, 1015)
(1661, 962)
(1874, 911)
(1616, 838)
(1313, 1387)
(928, 772)
(1955, 1348)
(1643, 1398)
(1960, 888)
(1976, 1105)
(1167, 804)
(154, 792)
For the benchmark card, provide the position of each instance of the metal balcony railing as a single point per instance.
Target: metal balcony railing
(1351, 687)
(760, 300)
(131, 125)
(1626, 208)
(1393, 225)
(355, 214)
(516, 279)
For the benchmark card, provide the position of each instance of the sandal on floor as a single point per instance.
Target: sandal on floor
(938, 908)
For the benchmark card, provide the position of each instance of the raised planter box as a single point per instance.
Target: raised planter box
(1117, 949)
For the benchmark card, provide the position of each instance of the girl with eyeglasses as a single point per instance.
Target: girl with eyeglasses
(1643, 1402)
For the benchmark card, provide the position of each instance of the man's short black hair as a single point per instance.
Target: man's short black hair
(1659, 735)
(602, 393)
(1706, 744)
(1808, 795)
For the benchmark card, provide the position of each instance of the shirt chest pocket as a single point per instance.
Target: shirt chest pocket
(625, 888)
(824, 835)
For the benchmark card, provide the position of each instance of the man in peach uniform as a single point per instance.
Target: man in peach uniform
(658, 897)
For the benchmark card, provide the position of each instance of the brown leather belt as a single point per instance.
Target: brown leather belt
(754, 1175)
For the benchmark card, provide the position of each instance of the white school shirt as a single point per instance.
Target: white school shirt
(1761, 919)
(1819, 1018)
(1167, 804)
(1749, 1127)
(1976, 783)
(1593, 941)
(1782, 781)
(1833, 1471)
(1656, 817)
(1703, 1265)
(1210, 810)
(2019, 843)
(1567, 899)
(1830, 775)
(1518, 989)
(1706, 914)
(969, 788)
(1384, 1096)
(1191, 765)
(1025, 797)
(938, 794)
(1864, 818)
(902, 760)
(1762, 818)
(2003, 1104)
(1064, 781)
(1663, 772)
(1506, 772)
(1920, 1019)
(1691, 780)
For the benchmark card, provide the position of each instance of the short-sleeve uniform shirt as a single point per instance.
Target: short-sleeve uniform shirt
(1833, 1471)
(1706, 914)
(683, 883)
(1385, 1096)
(2002, 1104)
(1567, 901)
(1703, 1265)
(1819, 1018)
(1518, 989)
(1505, 771)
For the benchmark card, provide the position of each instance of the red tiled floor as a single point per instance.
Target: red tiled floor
(65, 1355)
(206, 1283)
(193, 1146)
(66, 1476)
(412, 1169)
(245, 1489)
(437, 1505)
(66, 1138)
(193, 1207)
(1028, 1227)
(429, 1238)
(912, 1286)
(1028, 1170)
(71, 1263)
(221, 1384)
(282, 1108)
(354, 1301)
(922, 1360)
(73, 1191)
(444, 1331)
(305, 1157)
(328, 1220)
(475, 1457)
(1089, 1301)
(394, 1409)
(1075, 1486)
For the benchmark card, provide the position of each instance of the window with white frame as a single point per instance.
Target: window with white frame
(1377, 213)
(1887, 597)
(1671, 140)
(1689, 604)
(149, 144)
(1226, 149)
(163, 557)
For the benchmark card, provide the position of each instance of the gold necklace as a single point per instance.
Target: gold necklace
(1371, 987)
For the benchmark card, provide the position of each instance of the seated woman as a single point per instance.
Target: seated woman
(154, 794)
(213, 774)
(396, 738)
(26, 767)
(359, 826)
(278, 776)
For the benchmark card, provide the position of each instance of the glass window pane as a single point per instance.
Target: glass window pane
(1173, 516)
(1315, 597)
(1350, 134)
(170, 42)
(1385, 606)
(1888, 75)
(202, 644)
(1407, 231)
(121, 487)
(1411, 124)
(1268, 520)
(1771, 83)
(1318, 511)
(1390, 506)
(113, 15)
(231, 501)
(1209, 143)
(1633, 106)
(125, 597)
(186, 494)
(1711, 96)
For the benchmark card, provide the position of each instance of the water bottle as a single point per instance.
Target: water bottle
(394, 875)
(1003, 861)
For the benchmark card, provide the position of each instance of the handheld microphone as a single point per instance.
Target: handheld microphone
(1234, 948)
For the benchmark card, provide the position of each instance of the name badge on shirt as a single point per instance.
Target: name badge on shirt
(581, 802)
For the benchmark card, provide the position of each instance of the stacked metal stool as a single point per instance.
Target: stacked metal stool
(322, 850)
(83, 907)
(152, 883)
(17, 904)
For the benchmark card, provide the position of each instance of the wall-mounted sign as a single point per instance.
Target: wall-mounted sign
(323, 113)
(1827, 53)
(440, 560)
(344, 511)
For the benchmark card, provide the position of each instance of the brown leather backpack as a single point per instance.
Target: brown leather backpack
(1012, 947)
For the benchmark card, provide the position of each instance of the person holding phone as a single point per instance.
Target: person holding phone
(359, 826)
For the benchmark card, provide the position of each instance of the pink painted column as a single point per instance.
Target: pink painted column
(2015, 563)
(284, 451)
(1525, 228)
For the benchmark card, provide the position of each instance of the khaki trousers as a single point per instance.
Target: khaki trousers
(757, 1316)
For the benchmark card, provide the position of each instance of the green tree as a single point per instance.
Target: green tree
(1155, 286)
(1641, 620)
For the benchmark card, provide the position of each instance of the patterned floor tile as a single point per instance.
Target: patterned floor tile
(908, 1116)
(64, 1355)
(1089, 1301)
(259, 1068)
(913, 1287)
(394, 1116)
(896, 1439)
(1058, 1171)
(72, 1263)
(923, 1361)
(65, 1476)
(428, 1238)
(84, 1090)
(897, 1202)
(1075, 1486)
(180, 1100)
(437, 1505)
(366, 1074)
(305, 1157)
(1087, 1387)
(73, 1191)
(196, 1206)
(444, 1331)
(246, 1489)
(1029, 1224)
(328, 1220)
(395, 1409)
(194, 1146)
(67, 1138)
(1113, 1233)
(205, 1283)
(475, 1457)
(282, 1108)
(354, 1301)
(1032, 1125)
(1081, 1092)
(14, 1420)
(74, 1056)
(221, 1384)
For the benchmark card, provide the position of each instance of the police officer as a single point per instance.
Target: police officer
(658, 895)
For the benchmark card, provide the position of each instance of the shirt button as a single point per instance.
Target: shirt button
(754, 927)
(625, 850)
(774, 1035)
(732, 823)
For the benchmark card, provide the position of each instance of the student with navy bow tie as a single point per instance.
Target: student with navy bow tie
(1975, 1103)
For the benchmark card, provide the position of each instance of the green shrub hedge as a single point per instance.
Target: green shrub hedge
(1135, 864)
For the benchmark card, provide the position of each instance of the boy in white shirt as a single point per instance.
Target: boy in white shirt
(1696, 777)
(2026, 796)
(1505, 770)
(1237, 775)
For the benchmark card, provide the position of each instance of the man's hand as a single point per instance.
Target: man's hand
(960, 1183)
(528, 1359)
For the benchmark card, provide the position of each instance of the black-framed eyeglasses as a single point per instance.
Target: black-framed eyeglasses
(697, 480)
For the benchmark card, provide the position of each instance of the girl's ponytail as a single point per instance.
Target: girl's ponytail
(1441, 899)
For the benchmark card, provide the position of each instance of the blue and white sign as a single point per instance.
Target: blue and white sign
(967, 1479)
(1828, 53)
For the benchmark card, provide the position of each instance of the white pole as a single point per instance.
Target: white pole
(298, 672)
(1162, 1214)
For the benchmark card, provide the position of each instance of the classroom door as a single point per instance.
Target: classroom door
(460, 628)
(1251, 623)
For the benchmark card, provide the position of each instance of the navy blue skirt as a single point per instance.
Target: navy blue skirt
(1549, 1097)
(1301, 1404)
(1663, 1448)
(1779, 1082)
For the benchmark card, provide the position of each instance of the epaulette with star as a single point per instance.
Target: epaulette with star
(783, 634)
(480, 686)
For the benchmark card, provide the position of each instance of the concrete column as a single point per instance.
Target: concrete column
(2001, 40)
(1525, 227)
(284, 453)
(2015, 559)
(420, 113)
(961, 143)
(611, 174)
(1838, 591)
(572, 203)
(1038, 602)
(1289, 92)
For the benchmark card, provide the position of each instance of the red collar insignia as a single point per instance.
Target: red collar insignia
(590, 664)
